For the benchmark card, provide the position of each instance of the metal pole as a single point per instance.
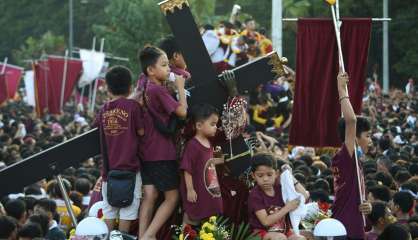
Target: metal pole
(96, 83)
(66, 200)
(277, 25)
(3, 70)
(71, 27)
(373, 19)
(64, 80)
(385, 47)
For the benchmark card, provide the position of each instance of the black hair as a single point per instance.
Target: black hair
(201, 112)
(394, 231)
(208, 27)
(15, 208)
(307, 159)
(119, 80)
(410, 185)
(149, 57)
(48, 205)
(7, 226)
(413, 169)
(30, 203)
(404, 200)
(380, 192)
(263, 159)
(169, 46)
(33, 189)
(402, 176)
(30, 230)
(385, 143)
(82, 185)
(362, 125)
(385, 178)
(378, 212)
(322, 184)
(42, 220)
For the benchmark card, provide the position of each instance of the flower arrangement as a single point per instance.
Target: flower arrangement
(215, 229)
(319, 211)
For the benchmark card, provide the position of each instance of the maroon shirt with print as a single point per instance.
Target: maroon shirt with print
(205, 182)
(258, 200)
(154, 145)
(121, 120)
(347, 196)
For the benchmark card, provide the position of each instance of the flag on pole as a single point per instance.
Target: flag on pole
(92, 65)
(316, 108)
(49, 80)
(9, 81)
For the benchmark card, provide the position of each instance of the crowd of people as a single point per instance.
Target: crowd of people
(141, 123)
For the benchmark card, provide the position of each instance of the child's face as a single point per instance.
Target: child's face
(161, 69)
(364, 141)
(208, 127)
(178, 61)
(265, 177)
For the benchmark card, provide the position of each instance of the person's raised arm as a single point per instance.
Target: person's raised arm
(348, 113)
(181, 110)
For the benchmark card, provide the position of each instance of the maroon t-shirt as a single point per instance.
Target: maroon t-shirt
(121, 119)
(347, 196)
(154, 145)
(205, 182)
(258, 200)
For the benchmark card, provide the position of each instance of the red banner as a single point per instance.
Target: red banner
(49, 80)
(9, 81)
(316, 108)
(3, 88)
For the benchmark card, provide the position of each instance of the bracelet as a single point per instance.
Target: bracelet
(342, 98)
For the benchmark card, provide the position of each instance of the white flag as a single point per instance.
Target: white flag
(92, 65)
(30, 88)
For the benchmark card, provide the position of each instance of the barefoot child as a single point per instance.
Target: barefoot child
(200, 191)
(157, 149)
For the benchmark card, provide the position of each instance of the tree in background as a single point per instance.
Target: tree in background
(34, 48)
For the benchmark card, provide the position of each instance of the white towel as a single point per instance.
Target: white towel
(289, 193)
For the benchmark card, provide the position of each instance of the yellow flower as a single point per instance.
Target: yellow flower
(212, 219)
(208, 226)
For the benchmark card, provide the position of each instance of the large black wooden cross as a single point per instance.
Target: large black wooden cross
(207, 88)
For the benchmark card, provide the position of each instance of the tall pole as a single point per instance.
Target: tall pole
(70, 27)
(385, 47)
(277, 25)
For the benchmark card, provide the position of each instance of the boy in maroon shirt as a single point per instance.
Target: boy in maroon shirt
(353, 131)
(158, 151)
(121, 122)
(200, 190)
(266, 210)
(175, 57)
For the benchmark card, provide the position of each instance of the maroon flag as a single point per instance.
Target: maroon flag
(316, 108)
(49, 80)
(9, 81)
(3, 88)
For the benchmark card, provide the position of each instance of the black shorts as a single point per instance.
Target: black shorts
(164, 175)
